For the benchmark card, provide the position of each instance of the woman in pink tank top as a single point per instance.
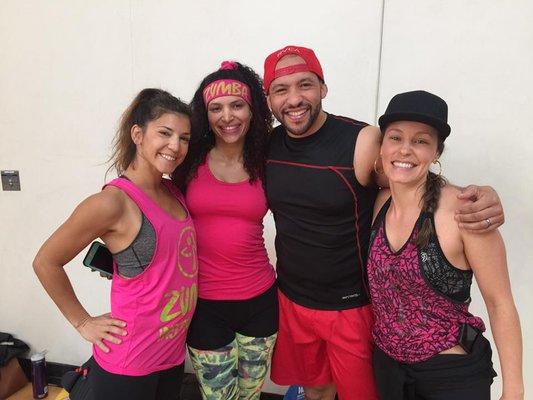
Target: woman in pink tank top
(235, 325)
(420, 268)
(139, 347)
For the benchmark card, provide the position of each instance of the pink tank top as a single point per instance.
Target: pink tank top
(158, 304)
(231, 251)
(420, 300)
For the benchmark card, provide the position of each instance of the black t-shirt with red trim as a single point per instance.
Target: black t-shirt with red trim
(322, 216)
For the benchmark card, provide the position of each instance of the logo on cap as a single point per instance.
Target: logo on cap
(310, 63)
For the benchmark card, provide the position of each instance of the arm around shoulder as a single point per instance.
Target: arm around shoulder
(483, 212)
(366, 154)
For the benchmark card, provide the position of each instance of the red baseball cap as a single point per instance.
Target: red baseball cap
(311, 64)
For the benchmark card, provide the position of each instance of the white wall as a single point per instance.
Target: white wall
(68, 69)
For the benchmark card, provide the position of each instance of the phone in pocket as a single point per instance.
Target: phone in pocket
(467, 336)
(100, 259)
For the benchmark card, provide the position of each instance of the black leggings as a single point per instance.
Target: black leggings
(442, 377)
(160, 385)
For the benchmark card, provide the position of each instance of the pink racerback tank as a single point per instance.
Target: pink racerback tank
(158, 304)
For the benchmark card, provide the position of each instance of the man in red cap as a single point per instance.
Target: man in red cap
(321, 189)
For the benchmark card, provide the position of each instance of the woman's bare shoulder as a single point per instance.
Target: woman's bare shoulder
(449, 202)
(108, 203)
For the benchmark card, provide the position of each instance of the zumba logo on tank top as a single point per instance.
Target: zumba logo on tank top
(187, 259)
(182, 301)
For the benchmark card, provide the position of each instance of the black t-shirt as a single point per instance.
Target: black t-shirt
(322, 216)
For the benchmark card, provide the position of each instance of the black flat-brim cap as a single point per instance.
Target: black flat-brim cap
(419, 106)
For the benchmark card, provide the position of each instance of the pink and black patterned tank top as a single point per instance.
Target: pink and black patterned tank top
(420, 300)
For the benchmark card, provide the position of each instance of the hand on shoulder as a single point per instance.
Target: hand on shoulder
(449, 200)
(483, 213)
(449, 203)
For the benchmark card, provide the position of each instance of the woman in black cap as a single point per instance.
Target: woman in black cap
(420, 269)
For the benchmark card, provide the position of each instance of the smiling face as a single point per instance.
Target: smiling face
(229, 118)
(296, 99)
(407, 151)
(163, 142)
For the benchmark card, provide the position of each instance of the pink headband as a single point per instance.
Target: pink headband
(227, 87)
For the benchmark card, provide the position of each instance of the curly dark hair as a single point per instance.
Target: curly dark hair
(203, 140)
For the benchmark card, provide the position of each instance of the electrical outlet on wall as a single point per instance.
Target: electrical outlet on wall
(10, 180)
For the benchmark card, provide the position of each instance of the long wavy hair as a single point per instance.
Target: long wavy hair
(203, 139)
(148, 105)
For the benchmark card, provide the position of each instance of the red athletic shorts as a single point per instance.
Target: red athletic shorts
(319, 347)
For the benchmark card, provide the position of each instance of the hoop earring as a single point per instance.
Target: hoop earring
(440, 167)
(376, 167)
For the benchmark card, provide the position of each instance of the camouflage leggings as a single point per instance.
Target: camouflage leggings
(235, 371)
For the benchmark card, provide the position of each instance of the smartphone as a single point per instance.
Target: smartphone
(467, 336)
(100, 259)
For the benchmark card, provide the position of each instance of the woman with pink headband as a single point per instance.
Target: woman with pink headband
(235, 325)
